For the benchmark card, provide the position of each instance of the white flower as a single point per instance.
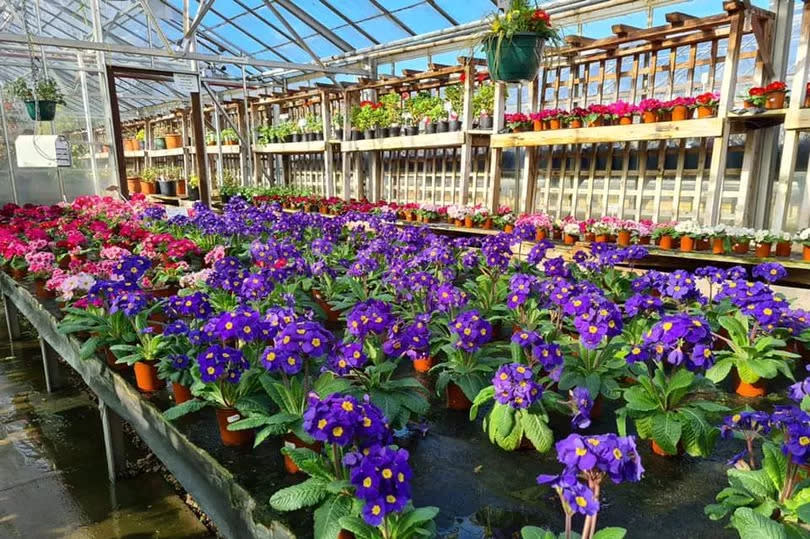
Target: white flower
(572, 229)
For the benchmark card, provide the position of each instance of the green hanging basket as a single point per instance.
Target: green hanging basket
(514, 59)
(46, 112)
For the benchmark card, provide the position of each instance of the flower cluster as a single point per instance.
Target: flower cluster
(472, 331)
(514, 386)
(343, 420)
(381, 478)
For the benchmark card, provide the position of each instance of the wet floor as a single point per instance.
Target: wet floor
(53, 478)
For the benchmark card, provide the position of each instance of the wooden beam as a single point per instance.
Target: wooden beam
(464, 60)
(623, 30)
(676, 18)
(579, 41)
(436, 67)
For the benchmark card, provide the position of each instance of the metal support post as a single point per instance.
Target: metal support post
(50, 364)
(12, 320)
(113, 430)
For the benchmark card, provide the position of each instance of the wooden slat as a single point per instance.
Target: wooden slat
(439, 140)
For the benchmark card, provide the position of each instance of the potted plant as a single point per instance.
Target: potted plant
(166, 181)
(147, 350)
(194, 187)
(689, 233)
(229, 136)
(763, 241)
(41, 100)
(210, 137)
(740, 238)
(180, 185)
(337, 125)
(624, 233)
(680, 108)
(504, 219)
(754, 98)
(775, 94)
(596, 115)
(538, 120)
(576, 118)
(484, 105)
(706, 104)
(784, 244)
(803, 237)
(148, 179)
(133, 182)
(665, 235)
(517, 122)
(454, 94)
(649, 110)
(571, 232)
(554, 118)
(621, 113)
(140, 137)
(391, 113)
(514, 44)
(159, 139)
(173, 140)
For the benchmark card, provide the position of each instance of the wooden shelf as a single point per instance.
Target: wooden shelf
(798, 120)
(310, 146)
(228, 149)
(166, 153)
(756, 120)
(706, 127)
(134, 153)
(435, 140)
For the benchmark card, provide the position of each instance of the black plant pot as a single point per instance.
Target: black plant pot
(368, 134)
(339, 134)
(356, 134)
(225, 198)
(318, 136)
(394, 131)
(381, 132)
(309, 137)
(412, 130)
(168, 189)
(194, 193)
(288, 138)
(485, 122)
(454, 125)
(296, 137)
(430, 128)
(441, 126)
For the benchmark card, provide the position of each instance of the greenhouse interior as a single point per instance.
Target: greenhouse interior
(393, 269)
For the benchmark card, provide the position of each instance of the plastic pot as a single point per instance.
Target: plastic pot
(783, 248)
(456, 399)
(508, 228)
(181, 187)
(41, 291)
(680, 113)
(744, 389)
(331, 314)
(626, 120)
(773, 100)
(762, 250)
(468, 221)
(554, 123)
(454, 125)
(423, 364)
(568, 239)
(291, 441)
(339, 134)
(193, 193)
(806, 253)
(394, 131)
(167, 188)
(687, 244)
(601, 238)
(514, 59)
(159, 143)
(412, 130)
(576, 123)
(741, 247)
(146, 377)
(540, 234)
(441, 126)
(296, 137)
(232, 438)
(368, 134)
(485, 122)
(430, 128)
(181, 393)
(623, 238)
(41, 111)
(666, 242)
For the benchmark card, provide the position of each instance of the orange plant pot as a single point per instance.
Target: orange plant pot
(292, 441)
(649, 116)
(537, 125)
(508, 228)
(744, 389)
(806, 253)
(345, 534)
(680, 113)
(468, 221)
(590, 237)
(784, 248)
(576, 123)
(174, 141)
(718, 246)
(148, 188)
(626, 120)
(666, 243)
(568, 239)
(146, 377)
(741, 248)
(597, 122)
(775, 100)
(658, 450)
(706, 112)
(687, 244)
(423, 364)
(458, 222)
(540, 234)
(601, 238)
(133, 185)
(762, 250)
(554, 123)
(181, 187)
(623, 238)
(456, 399)
(232, 438)
(181, 393)
(487, 224)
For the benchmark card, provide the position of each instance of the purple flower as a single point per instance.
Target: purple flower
(770, 271)
(575, 495)
(369, 317)
(132, 267)
(748, 422)
(797, 443)
(581, 404)
(130, 303)
(798, 391)
(342, 420)
(615, 455)
(194, 305)
(179, 362)
(550, 356)
(381, 478)
(472, 331)
(514, 386)
(219, 362)
(348, 357)
(538, 252)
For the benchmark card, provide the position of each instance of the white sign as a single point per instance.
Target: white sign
(48, 151)
(64, 158)
(186, 83)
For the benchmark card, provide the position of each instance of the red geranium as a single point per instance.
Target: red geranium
(541, 15)
(756, 91)
(776, 86)
(463, 77)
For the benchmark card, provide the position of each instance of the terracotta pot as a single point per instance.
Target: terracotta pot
(331, 314)
(623, 238)
(806, 253)
(775, 100)
(748, 104)
(148, 188)
(687, 244)
(666, 242)
(41, 291)
(784, 248)
(718, 246)
(423, 364)
(554, 123)
(537, 125)
(649, 116)
(181, 393)
(345, 534)
(626, 120)
(292, 441)
(601, 238)
(112, 361)
(658, 450)
(508, 228)
(408, 216)
(706, 112)
(702, 244)
(232, 438)
(18, 274)
(468, 221)
(488, 223)
(590, 236)
(146, 377)
(556, 234)
(644, 240)
(133, 185)
(597, 122)
(741, 248)
(568, 239)
(456, 399)
(181, 187)
(174, 141)
(744, 389)
(540, 234)
(575, 123)
(458, 222)
(680, 112)
(762, 250)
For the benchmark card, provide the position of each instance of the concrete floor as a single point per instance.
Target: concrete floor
(53, 479)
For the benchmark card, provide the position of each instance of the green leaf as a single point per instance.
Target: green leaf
(483, 396)
(533, 532)
(751, 525)
(803, 512)
(798, 499)
(610, 533)
(666, 431)
(716, 511)
(719, 371)
(188, 407)
(638, 399)
(305, 494)
(357, 526)
(327, 516)
(756, 482)
(537, 431)
(413, 518)
(774, 462)
(681, 379)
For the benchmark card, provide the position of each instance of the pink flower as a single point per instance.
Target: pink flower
(217, 253)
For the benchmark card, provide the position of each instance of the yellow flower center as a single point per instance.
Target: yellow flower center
(337, 431)
(367, 482)
(321, 424)
(580, 451)
(581, 501)
(386, 473)
(347, 405)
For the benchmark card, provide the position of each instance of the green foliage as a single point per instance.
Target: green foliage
(410, 523)
(506, 426)
(533, 532)
(45, 89)
(455, 95)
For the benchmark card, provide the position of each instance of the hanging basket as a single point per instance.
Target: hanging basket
(46, 112)
(516, 58)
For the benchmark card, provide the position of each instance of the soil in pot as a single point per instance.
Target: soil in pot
(146, 377)
(181, 393)
(456, 399)
(232, 438)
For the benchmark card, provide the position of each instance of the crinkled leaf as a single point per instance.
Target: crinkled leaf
(306, 494)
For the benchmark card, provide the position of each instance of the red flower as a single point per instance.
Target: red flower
(406, 95)
(483, 75)
(366, 103)
(776, 86)
(756, 91)
(541, 15)
(463, 76)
